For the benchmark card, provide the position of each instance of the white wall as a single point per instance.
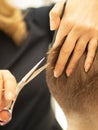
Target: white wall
(59, 114)
(28, 3)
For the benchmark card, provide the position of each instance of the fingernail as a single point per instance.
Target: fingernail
(87, 66)
(56, 74)
(9, 96)
(68, 72)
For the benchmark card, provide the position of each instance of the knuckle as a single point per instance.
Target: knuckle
(65, 51)
(92, 46)
(68, 22)
(78, 51)
(84, 27)
(78, 27)
(53, 14)
(50, 13)
(91, 57)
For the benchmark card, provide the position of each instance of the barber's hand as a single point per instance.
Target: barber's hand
(79, 25)
(7, 88)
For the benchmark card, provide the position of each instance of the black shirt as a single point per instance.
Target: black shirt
(32, 110)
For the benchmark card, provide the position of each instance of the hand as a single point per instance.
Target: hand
(7, 88)
(79, 25)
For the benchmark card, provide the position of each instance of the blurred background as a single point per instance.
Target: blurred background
(23, 4)
(34, 3)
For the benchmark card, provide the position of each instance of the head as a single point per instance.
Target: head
(78, 94)
(12, 22)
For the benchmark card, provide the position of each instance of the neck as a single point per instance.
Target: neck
(80, 122)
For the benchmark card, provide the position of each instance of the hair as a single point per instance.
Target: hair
(12, 22)
(77, 93)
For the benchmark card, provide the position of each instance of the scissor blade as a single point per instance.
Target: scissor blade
(21, 84)
(37, 72)
(28, 75)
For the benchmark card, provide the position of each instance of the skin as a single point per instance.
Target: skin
(78, 122)
(7, 88)
(79, 25)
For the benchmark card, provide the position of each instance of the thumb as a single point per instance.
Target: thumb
(55, 15)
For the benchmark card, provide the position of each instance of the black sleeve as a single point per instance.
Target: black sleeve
(40, 18)
(43, 18)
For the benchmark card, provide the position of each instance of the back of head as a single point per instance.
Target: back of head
(77, 94)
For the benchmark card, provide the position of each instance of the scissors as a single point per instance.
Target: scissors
(6, 113)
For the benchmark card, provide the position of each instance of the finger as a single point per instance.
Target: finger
(55, 15)
(3, 102)
(64, 29)
(65, 52)
(9, 85)
(1, 87)
(78, 51)
(92, 47)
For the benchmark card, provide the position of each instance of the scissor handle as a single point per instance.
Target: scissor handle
(5, 116)
(6, 113)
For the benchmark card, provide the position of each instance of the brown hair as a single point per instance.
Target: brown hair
(77, 93)
(12, 23)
